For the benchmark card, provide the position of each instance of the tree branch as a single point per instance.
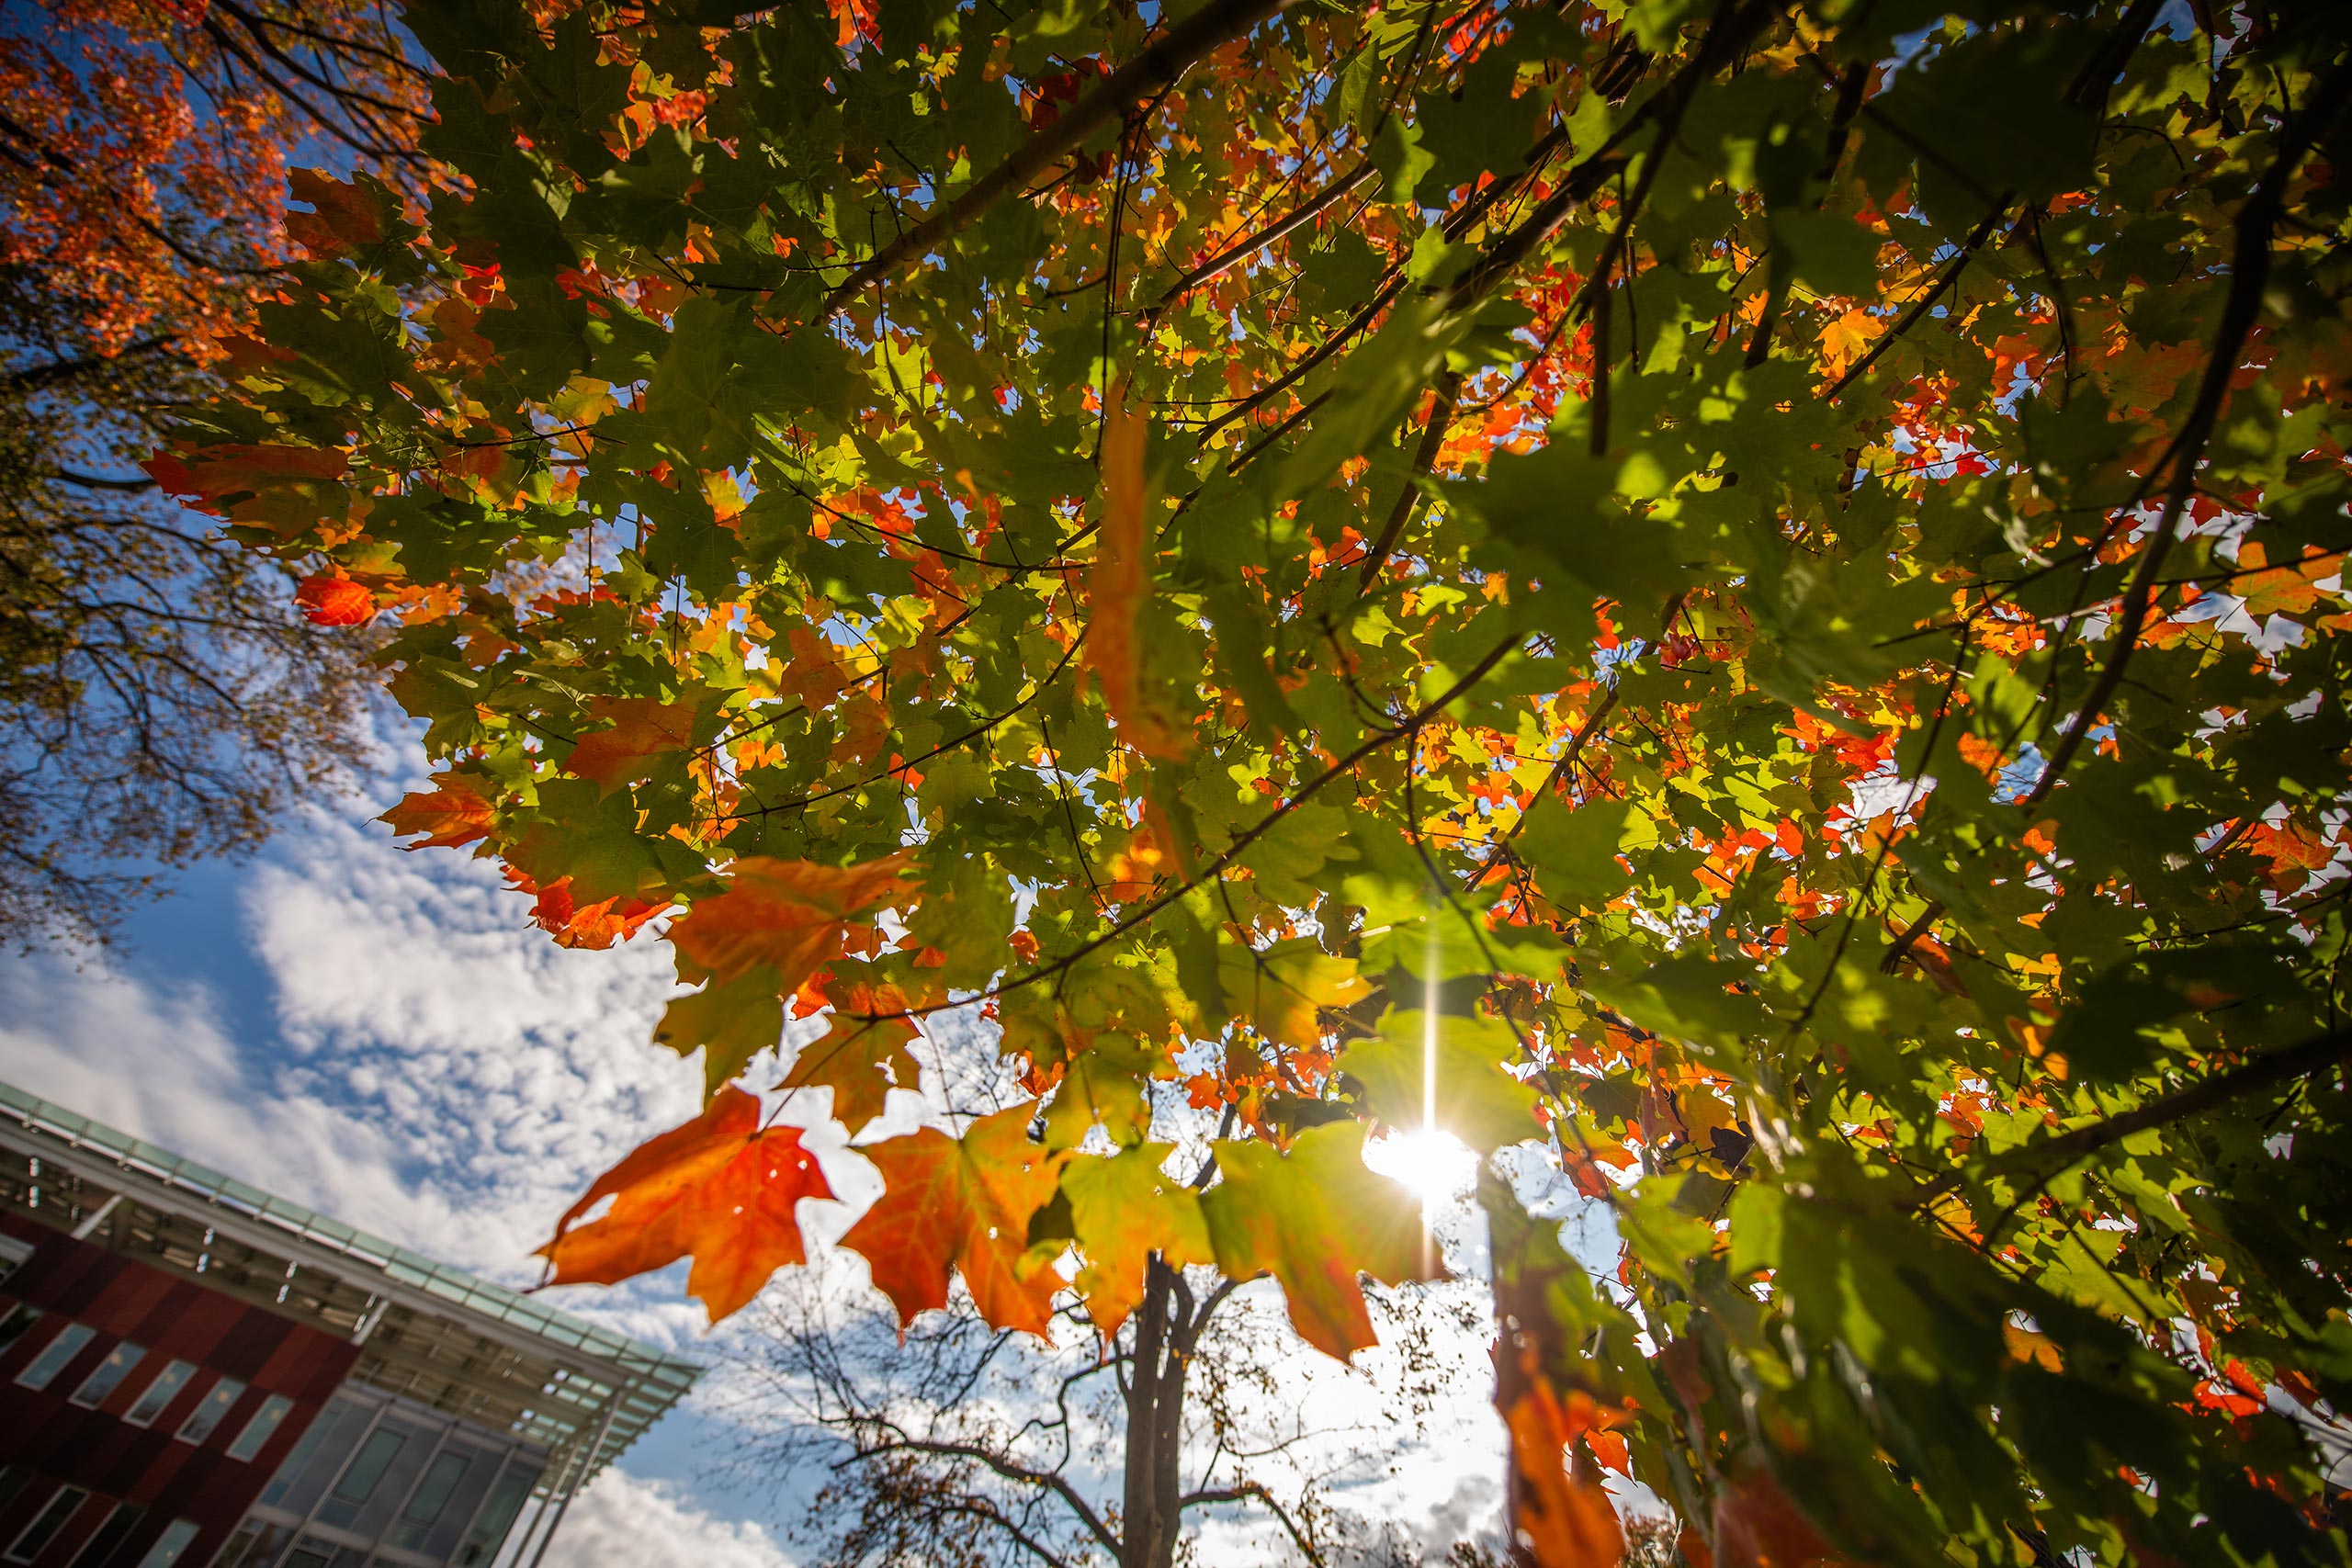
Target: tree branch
(1252, 1491)
(2249, 276)
(1449, 387)
(1010, 1472)
(981, 1508)
(1163, 62)
(1243, 248)
(1241, 842)
(2278, 1067)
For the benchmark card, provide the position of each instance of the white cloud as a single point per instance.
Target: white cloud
(623, 1522)
(412, 988)
(161, 1067)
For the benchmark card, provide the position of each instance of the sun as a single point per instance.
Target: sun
(1431, 1161)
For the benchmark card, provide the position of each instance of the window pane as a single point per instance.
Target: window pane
(439, 1542)
(497, 1514)
(12, 1327)
(12, 1480)
(100, 1547)
(256, 1546)
(110, 1374)
(47, 1523)
(317, 1458)
(433, 1492)
(258, 1431)
(52, 1360)
(168, 1547)
(168, 1382)
(375, 1454)
(207, 1415)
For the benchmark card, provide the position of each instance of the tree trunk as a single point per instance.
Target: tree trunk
(1164, 1334)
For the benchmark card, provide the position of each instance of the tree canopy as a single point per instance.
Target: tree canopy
(160, 696)
(1748, 592)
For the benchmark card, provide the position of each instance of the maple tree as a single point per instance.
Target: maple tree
(1745, 592)
(162, 695)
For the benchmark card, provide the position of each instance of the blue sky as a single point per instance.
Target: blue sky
(383, 1036)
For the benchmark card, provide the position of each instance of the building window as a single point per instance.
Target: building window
(12, 1480)
(490, 1525)
(12, 1327)
(100, 1549)
(432, 1494)
(46, 1524)
(325, 1443)
(205, 1417)
(170, 1544)
(110, 1374)
(258, 1430)
(254, 1546)
(167, 1382)
(12, 1253)
(375, 1457)
(53, 1357)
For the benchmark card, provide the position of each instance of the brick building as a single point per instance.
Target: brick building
(195, 1374)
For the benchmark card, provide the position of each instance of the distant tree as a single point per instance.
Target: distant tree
(162, 696)
(968, 1444)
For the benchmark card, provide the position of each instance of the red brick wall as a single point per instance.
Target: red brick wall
(174, 1317)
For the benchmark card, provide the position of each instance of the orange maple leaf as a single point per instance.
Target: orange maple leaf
(720, 1189)
(852, 1057)
(1119, 584)
(643, 730)
(1564, 1521)
(595, 925)
(348, 213)
(335, 602)
(210, 472)
(789, 916)
(1758, 1527)
(1844, 340)
(966, 1203)
(454, 814)
(855, 19)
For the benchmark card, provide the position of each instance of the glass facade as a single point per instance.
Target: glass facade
(399, 1415)
(378, 1481)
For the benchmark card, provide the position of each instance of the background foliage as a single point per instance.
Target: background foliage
(160, 696)
(1749, 591)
